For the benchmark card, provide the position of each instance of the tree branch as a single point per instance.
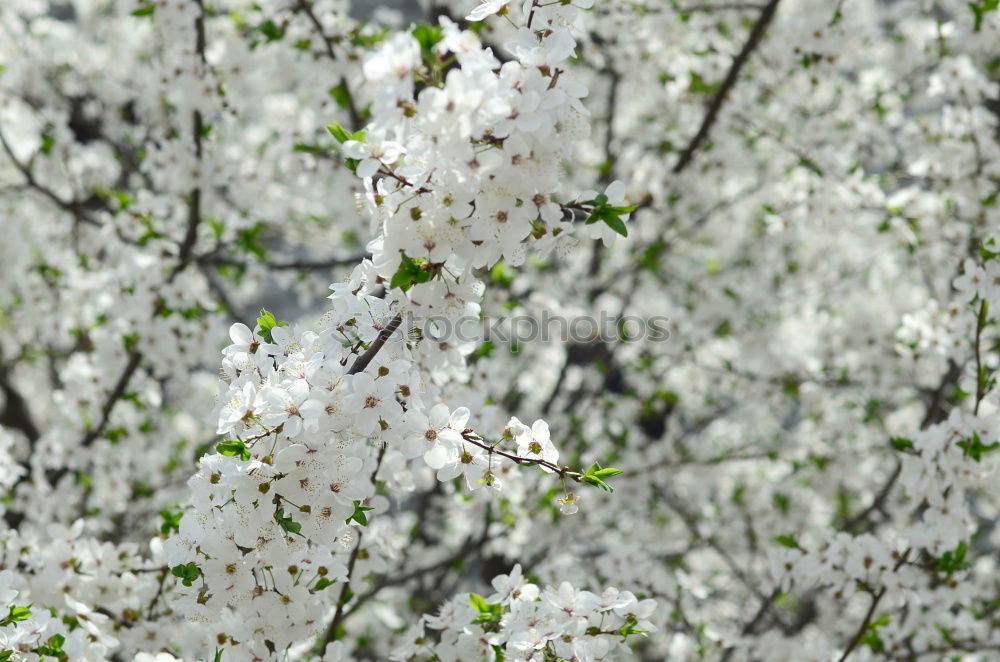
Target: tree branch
(727, 84)
(362, 361)
(344, 598)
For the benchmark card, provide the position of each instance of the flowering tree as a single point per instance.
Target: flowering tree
(738, 267)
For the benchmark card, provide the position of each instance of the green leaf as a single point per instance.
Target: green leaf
(322, 583)
(145, 11)
(272, 30)
(502, 274)
(630, 627)
(48, 142)
(15, 615)
(53, 647)
(901, 444)
(980, 9)
(233, 448)
(218, 227)
(699, 86)
(787, 541)
(488, 613)
(871, 638)
(250, 240)
(365, 40)
(267, 323)
(171, 520)
(975, 448)
(359, 514)
(187, 573)
(286, 522)
(782, 502)
(130, 340)
(610, 214)
(428, 36)
(953, 561)
(614, 222)
(985, 250)
(411, 271)
(597, 474)
(342, 96)
(338, 132)
(478, 602)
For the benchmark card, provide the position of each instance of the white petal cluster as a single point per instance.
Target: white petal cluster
(523, 623)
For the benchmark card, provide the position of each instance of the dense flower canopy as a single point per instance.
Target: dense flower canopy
(657, 330)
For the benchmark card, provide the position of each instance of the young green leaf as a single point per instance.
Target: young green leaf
(286, 522)
(233, 448)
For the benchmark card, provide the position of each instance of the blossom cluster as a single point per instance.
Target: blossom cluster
(520, 622)
(803, 465)
(311, 415)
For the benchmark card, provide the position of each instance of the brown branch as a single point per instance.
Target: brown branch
(980, 373)
(135, 358)
(362, 361)
(471, 543)
(344, 598)
(235, 312)
(767, 14)
(186, 250)
(856, 639)
(876, 598)
(307, 9)
(74, 206)
(292, 265)
(517, 459)
(726, 6)
(159, 591)
(16, 413)
(876, 503)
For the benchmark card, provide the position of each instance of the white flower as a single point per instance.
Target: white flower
(239, 406)
(371, 400)
(291, 407)
(470, 462)
(512, 587)
(374, 152)
(537, 445)
(487, 8)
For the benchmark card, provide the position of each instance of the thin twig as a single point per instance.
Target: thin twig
(344, 598)
(727, 84)
(877, 597)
